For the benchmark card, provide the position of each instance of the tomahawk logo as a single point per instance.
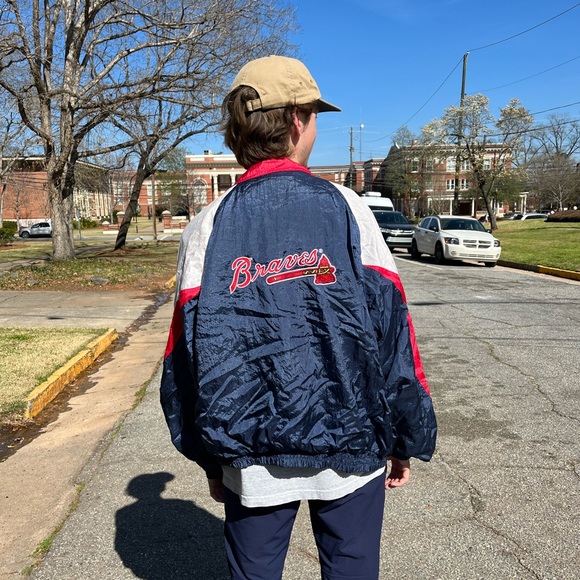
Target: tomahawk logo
(313, 264)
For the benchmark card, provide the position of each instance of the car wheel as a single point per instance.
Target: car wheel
(415, 254)
(24, 235)
(439, 255)
(490, 264)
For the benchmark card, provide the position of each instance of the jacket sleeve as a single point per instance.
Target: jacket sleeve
(408, 395)
(414, 426)
(179, 382)
(179, 387)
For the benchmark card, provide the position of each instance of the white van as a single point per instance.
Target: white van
(374, 200)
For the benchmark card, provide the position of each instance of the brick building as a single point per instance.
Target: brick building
(211, 175)
(421, 180)
(25, 197)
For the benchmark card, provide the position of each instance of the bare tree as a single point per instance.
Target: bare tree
(14, 142)
(483, 138)
(554, 180)
(552, 169)
(560, 135)
(87, 63)
(20, 201)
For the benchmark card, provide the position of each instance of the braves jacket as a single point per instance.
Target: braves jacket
(291, 343)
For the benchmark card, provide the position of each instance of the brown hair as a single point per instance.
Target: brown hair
(255, 136)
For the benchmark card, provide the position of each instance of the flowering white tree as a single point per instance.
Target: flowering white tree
(477, 134)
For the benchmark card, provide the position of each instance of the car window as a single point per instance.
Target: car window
(462, 224)
(425, 223)
(390, 217)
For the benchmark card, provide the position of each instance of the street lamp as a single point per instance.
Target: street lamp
(361, 128)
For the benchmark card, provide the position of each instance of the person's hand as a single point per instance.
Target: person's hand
(399, 474)
(216, 490)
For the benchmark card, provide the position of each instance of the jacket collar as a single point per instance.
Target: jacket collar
(271, 166)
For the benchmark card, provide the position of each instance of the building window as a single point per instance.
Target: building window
(450, 185)
(464, 184)
(451, 164)
(224, 181)
(487, 164)
(465, 165)
(429, 164)
(415, 165)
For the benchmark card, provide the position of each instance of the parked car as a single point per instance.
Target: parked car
(397, 230)
(534, 216)
(455, 238)
(36, 230)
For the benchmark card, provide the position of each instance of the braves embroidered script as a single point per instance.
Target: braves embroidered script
(314, 263)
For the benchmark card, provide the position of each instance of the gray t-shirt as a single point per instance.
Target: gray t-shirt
(261, 486)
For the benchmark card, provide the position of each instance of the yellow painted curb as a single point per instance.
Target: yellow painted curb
(570, 274)
(49, 389)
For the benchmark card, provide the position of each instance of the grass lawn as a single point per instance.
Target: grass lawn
(30, 356)
(141, 265)
(535, 242)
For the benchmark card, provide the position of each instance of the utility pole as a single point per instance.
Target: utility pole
(351, 171)
(459, 137)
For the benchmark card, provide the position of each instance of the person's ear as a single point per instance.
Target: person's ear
(297, 124)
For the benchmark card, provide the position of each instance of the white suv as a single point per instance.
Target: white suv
(455, 238)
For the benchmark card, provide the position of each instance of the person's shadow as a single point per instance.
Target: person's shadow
(168, 539)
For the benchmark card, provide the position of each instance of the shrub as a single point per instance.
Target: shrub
(86, 223)
(7, 232)
(571, 215)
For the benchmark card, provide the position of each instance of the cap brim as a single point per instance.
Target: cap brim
(326, 107)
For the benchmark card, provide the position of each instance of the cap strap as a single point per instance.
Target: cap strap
(254, 105)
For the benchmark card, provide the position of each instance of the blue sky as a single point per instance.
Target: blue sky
(384, 61)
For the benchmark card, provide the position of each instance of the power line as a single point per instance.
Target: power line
(554, 108)
(527, 30)
(481, 48)
(530, 77)
(423, 105)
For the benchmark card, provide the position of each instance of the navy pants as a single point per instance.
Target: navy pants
(347, 533)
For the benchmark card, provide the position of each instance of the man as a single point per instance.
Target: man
(291, 371)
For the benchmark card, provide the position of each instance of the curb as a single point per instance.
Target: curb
(570, 274)
(42, 395)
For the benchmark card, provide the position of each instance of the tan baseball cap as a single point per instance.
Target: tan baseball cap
(280, 81)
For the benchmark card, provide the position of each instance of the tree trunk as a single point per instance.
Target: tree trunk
(61, 213)
(2, 194)
(130, 211)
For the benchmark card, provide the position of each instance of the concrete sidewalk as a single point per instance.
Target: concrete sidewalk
(41, 480)
(146, 513)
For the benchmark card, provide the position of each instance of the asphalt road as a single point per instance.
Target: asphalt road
(501, 350)
(500, 499)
